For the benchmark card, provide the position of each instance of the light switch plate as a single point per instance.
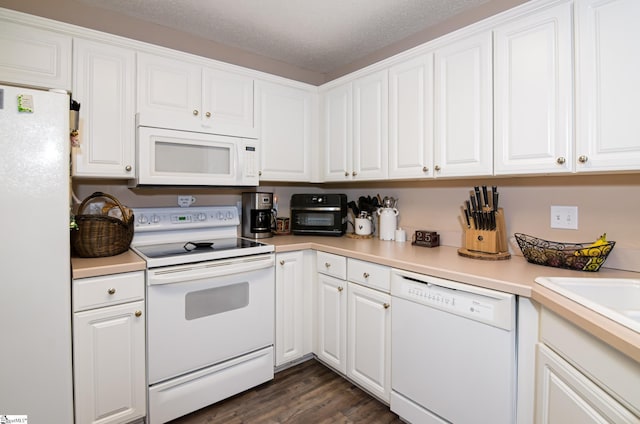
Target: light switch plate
(564, 217)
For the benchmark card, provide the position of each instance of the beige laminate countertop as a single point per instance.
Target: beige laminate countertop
(514, 275)
(95, 267)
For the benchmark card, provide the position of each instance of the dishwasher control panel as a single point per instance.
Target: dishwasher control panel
(477, 303)
(448, 299)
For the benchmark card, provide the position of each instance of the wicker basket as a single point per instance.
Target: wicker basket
(101, 235)
(576, 256)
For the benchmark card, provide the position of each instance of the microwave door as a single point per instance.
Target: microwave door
(168, 157)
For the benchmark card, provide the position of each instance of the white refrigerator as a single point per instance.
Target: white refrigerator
(35, 283)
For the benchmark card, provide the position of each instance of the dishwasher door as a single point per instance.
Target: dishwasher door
(453, 352)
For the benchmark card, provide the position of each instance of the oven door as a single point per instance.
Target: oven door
(205, 313)
(317, 221)
(169, 157)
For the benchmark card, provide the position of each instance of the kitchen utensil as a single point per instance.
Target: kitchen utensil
(389, 202)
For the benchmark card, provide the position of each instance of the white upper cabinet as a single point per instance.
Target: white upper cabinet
(180, 94)
(284, 121)
(608, 85)
(411, 118)
(463, 107)
(103, 84)
(356, 129)
(337, 132)
(533, 93)
(34, 57)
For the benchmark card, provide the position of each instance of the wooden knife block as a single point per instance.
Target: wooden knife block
(487, 244)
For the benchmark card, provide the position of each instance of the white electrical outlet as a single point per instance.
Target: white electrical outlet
(565, 217)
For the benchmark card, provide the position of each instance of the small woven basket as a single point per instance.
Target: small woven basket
(576, 256)
(102, 235)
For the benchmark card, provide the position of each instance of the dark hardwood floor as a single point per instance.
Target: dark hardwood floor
(308, 393)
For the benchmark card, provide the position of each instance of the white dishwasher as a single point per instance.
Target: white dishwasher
(453, 351)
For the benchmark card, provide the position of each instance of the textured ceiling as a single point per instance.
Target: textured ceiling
(318, 35)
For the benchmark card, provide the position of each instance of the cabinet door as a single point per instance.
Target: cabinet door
(169, 93)
(34, 57)
(109, 364)
(104, 78)
(463, 105)
(331, 322)
(283, 118)
(370, 126)
(337, 133)
(608, 87)
(564, 395)
(411, 118)
(227, 103)
(368, 339)
(290, 284)
(533, 93)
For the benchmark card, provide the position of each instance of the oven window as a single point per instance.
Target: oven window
(316, 219)
(192, 158)
(217, 300)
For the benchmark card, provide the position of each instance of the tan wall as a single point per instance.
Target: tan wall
(608, 204)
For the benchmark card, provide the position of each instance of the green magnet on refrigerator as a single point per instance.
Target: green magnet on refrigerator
(25, 103)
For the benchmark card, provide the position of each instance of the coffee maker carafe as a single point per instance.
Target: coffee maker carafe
(257, 215)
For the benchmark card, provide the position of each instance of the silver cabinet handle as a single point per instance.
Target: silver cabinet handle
(128, 168)
(385, 305)
(138, 314)
(346, 173)
(354, 173)
(583, 159)
(195, 112)
(111, 291)
(437, 168)
(561, 160)
(282, 262)
(365, 275)
(425, 169)
(327, 265)
(208, 114)
(340, 288)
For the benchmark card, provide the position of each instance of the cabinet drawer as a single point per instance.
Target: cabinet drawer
(95, 292)
(331, 264)
(369, 274)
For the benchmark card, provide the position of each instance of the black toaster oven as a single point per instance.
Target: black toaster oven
(319, 214)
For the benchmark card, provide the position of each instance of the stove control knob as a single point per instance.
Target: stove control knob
(220, 216)
(155, 219)
(229, 215)
(201, 216)
(143, 219)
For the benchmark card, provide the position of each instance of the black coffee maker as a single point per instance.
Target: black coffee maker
(257, 215)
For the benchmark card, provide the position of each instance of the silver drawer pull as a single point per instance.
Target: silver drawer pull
(138, 314)
(365, 275)
(111, 291)
(327, 265)
(340, 288)
(385, 305)
(282, 262)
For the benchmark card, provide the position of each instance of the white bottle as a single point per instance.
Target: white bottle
(387, 222)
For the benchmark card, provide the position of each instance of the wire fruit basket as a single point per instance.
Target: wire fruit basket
(102, 235)
(575, 256)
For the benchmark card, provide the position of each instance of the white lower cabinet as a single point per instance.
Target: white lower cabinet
(580, 379)
(368, 339)
(353, 321)
(293, 307)
(331, 322)
(109, 348)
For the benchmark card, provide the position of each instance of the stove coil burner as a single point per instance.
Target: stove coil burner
(190, 245)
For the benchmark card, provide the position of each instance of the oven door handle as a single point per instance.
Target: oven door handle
(219, 268)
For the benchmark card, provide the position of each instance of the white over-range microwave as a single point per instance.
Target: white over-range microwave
(170, 157)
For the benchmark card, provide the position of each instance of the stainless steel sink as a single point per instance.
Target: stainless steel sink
(615, 298)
